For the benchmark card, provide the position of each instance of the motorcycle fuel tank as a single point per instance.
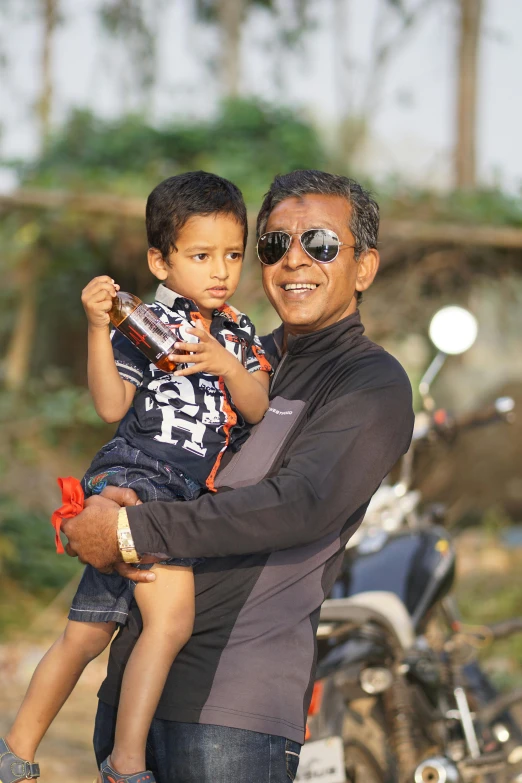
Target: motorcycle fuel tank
(417, 565)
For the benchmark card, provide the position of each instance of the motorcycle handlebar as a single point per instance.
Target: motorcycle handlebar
(506, 628)
(446, 426)
(502, 409)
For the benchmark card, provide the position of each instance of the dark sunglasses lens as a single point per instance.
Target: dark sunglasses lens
(320, 244)
(272, 247)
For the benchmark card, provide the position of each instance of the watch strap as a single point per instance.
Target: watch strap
(125, 540)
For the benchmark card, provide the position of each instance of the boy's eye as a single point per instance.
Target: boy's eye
(235, 256)
(200, 256)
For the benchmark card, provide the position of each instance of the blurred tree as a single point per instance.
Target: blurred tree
(50, 13)
(28, 267)
(470, 17)
(133, 23)
(229, 15)
(394, 21)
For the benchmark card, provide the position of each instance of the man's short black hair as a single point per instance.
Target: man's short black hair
(175, 200)
(364, 219)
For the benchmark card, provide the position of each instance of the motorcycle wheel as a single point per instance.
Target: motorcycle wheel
(513, 774)
(366, 751)
(361, 766)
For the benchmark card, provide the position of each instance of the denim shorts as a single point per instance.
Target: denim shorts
(107, 597)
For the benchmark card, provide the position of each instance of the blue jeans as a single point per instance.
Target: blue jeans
(202, 753)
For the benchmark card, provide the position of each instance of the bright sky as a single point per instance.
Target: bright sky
(412, 127)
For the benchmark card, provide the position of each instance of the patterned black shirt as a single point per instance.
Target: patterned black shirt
(187, 421)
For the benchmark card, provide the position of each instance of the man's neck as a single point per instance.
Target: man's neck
(289, 332)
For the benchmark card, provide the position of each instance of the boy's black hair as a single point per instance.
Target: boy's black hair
(175, 200)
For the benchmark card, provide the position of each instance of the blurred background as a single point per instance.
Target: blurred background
(101, 99)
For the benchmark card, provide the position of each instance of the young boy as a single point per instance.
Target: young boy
(168, 446)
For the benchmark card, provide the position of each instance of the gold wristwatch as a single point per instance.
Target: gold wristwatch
(125, 540)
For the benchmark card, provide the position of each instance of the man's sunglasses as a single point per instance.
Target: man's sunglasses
(321, 244)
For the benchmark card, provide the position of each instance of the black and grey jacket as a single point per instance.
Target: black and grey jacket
(341, 417)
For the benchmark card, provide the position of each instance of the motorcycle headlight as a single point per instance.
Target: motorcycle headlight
(375, 679)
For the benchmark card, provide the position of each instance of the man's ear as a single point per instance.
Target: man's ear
(157, 264)
(367, 266)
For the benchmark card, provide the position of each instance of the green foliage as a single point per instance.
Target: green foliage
(480, 207)
(248, 142)
(493, 600)
(27, 551)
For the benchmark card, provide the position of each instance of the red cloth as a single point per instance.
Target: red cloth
(72, 504)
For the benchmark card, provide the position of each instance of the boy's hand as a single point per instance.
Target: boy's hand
(97, 299)
(206, 356)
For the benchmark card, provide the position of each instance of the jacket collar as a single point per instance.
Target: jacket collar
(348, 330)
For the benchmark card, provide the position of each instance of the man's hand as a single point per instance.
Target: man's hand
(92, 534)
(122, 496)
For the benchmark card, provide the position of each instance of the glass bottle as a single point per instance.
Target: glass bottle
(144, 329)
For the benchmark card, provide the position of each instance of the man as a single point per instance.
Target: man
(235, 703)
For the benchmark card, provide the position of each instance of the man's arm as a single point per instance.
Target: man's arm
(330, 471)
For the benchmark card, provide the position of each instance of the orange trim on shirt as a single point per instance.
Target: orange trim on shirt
(231, 420)
(264, 364)
(229, 312)
(196, 316)
(230, 414)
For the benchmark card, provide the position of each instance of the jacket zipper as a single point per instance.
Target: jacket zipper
(283, 360)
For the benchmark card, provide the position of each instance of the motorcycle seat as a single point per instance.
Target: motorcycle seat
(385, 609)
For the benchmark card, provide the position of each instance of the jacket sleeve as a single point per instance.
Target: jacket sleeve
(330, 471)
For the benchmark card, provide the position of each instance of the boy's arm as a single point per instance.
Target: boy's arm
(112, 395)
(249, 390)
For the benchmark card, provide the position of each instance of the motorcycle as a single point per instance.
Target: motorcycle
(399, 696)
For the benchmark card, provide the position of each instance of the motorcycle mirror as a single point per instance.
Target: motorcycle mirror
(453, 330)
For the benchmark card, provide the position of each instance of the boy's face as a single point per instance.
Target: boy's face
(207, 263)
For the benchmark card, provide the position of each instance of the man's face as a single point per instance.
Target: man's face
(206, 265)
(334, 285)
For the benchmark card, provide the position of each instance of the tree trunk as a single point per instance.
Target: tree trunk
(18, 356)
(50, 19)
(465, 152)
(230, 16)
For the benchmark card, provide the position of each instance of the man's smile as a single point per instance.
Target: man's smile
(299, 286)
(298, 291)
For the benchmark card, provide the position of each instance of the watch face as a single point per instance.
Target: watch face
(125, 539)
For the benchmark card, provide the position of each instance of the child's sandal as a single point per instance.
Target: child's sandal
(109, 775)
(13, 769)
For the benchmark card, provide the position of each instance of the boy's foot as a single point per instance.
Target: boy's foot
(109, 775)
(13, 769)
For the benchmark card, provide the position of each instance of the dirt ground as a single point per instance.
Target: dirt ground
(66, 753)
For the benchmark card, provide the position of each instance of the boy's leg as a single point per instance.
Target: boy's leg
(53, 681)
(167, 610)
